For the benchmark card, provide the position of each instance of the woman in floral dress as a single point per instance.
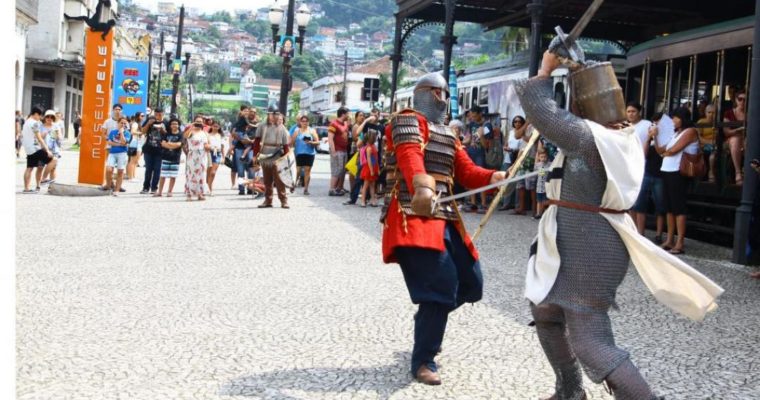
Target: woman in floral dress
(197, 160)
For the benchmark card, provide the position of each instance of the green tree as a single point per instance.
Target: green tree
(385, 81)
(213, 35)
(295, 99)
(268, 66)
(216, 74)
(260, 29)
(515, 39)
(223, 16)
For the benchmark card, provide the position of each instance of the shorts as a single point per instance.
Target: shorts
(305, 160)
(651, 188)
(338, 164)
(169, 169)
(540, 197)
(216, 158)
(527, 183)
(117, 160)
(675, 188)
(37, 159)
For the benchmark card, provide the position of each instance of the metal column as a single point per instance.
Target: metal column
(177, 55)
(448, 39)
(396, 58)
(536, 11)
(743, 254)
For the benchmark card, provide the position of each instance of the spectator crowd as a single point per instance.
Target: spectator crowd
(355, 140)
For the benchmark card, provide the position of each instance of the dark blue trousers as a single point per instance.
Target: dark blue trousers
(439, 282)
(358, 183)
(152, 171)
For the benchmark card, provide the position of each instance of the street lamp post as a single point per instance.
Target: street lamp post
(302, 18)
(177, 71)
(160, 69)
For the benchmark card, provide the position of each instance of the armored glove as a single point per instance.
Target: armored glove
(424, 190)
(558, 47)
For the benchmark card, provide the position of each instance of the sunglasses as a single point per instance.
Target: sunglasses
(741, 98)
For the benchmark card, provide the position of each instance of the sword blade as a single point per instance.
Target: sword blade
(484, 188)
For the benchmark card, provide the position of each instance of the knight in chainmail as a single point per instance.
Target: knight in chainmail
(438, 260)
(572, 320)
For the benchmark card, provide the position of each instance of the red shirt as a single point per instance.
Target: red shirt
(340, 130)
(425, 232)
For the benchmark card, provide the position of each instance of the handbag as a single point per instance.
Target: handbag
(692, 165)
(229, 162)
(352, 165)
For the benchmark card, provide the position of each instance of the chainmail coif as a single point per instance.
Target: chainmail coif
(594, 259)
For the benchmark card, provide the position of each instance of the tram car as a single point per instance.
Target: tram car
(693, 68)
(696, 68)
(489, 86)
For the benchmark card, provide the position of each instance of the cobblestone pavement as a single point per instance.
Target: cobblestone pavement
(143, 298)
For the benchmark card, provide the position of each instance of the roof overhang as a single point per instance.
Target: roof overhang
(633, 21)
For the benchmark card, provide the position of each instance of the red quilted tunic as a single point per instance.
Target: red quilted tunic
(420, 231)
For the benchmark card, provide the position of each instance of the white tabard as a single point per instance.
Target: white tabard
(672, 282)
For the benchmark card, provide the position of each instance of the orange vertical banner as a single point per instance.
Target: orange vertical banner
(96, 106)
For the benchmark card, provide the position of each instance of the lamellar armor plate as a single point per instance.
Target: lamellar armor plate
(439, 154)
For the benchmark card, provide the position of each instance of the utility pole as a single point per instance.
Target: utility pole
(150, 69)
(345, 73)
(160, 71)
(177, 61)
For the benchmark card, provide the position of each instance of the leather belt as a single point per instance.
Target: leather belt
(584, 207)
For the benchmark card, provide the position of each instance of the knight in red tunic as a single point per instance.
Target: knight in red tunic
(439, 262)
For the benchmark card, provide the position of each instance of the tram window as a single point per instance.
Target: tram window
(483, 96)
(633, 87)
(656, 93)
(735, 75)
(707, 89)
(680, 93)
(474, 98)
(461, 99)
(559, 94)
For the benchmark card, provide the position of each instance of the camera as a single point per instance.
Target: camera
(307, 138)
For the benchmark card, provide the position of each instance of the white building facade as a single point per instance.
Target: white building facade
(323, 96)
(26, 16)
(54, 71)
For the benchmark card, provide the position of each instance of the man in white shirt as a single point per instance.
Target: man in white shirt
(37, 152)
(111, 124)
(651, 187)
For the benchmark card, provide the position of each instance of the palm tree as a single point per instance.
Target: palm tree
(385, 81)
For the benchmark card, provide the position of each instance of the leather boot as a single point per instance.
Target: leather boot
(427, 376)
(555, 397)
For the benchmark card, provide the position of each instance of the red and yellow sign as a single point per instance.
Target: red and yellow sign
(96, 107)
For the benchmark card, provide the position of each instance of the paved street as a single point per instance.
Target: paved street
(142, 298)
